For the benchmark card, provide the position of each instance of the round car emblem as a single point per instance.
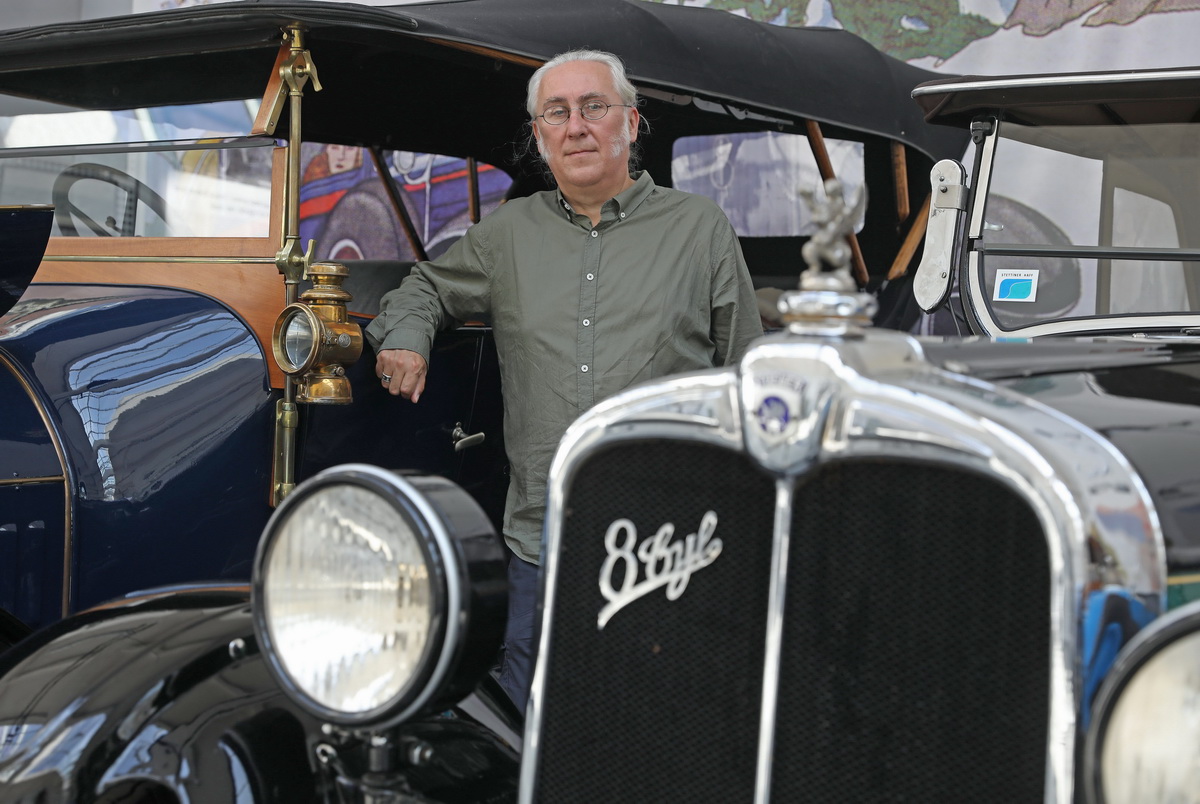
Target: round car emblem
(773, 415)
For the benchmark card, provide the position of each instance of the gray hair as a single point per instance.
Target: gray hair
(614, 64)
(621, 83)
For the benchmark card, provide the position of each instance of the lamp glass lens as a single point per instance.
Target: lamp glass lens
(299, 340)
(1153, 735)
(347, 596)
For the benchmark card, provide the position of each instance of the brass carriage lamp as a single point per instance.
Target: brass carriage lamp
(314, 342)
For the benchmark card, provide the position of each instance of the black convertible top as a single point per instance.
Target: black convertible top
(449, 55)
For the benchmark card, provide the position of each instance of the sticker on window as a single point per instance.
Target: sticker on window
(1015, 286)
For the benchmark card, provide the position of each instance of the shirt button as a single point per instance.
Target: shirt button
(584, 369)
(622, 214)
(590, 277)
(595, 233)
(587, 322)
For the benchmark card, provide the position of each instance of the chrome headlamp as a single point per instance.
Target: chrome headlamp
(1145, 732)
(377, 595)
(313, 339)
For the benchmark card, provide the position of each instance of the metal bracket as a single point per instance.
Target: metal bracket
(463, 441)
(931, 285)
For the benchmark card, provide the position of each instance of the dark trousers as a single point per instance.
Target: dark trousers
(516, 665)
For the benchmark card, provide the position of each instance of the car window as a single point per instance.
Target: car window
(32, 124)
(757, 177)
(181, 171)
(346, 209)
(1145, 285)
(184, 189)
(1084, 221)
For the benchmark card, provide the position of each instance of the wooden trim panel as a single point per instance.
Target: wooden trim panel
(254, 290)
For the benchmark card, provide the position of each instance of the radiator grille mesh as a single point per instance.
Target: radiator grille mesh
(661, 705)
(915, 656)
(916, 638)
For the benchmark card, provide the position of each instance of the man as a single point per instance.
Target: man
(607, 281)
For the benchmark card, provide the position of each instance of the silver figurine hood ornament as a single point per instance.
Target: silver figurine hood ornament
(827, 301)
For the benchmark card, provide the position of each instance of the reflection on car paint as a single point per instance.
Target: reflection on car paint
(160, 400)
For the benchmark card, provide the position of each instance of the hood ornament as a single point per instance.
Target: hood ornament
(827, 301)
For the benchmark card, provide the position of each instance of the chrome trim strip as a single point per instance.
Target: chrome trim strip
(986, 158)
(218, 143)
(68, 484)
(32, 481)
(1091, 252)
(124, 258)
(1069, 79)
(773, 655)
(973, 279)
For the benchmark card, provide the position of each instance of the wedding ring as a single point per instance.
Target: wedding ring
(387, 378)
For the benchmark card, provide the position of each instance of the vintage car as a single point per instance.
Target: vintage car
(234, 188)
(223, 193)
(860, 566)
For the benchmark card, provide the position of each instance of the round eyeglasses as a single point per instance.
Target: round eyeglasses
(592, 110)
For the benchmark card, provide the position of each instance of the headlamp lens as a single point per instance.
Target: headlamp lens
(347, 599)
(1153, 734)
(299, 340)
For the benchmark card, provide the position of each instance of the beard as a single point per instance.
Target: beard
(619, 144)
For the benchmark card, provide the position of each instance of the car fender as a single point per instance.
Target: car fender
(134, 454)
(164, 692)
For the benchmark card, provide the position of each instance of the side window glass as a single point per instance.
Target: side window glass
(437, 191)
(179, 171)
(1147, 286)
(756, 178)
(346, 208)
(1040, 196)
(1076, 191)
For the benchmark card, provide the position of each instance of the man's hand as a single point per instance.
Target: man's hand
(402, 372)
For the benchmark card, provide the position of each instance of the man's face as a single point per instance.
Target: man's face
(585, 154)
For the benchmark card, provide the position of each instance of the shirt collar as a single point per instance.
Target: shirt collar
(628, 200)
(625, 201)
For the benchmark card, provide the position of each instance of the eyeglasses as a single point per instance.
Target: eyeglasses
(592, 110)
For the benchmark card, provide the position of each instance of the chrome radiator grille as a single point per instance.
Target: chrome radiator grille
(916, 595)
(916, 640)
(683, 676)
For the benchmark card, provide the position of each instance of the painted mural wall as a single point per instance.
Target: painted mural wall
(1002, 36)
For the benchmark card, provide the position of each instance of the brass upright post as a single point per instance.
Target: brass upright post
(295, 68)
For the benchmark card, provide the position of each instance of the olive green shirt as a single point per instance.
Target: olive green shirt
(580, 313)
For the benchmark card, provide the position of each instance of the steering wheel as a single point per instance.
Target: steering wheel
(65, 211)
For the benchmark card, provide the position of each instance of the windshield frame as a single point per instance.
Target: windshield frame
(975, 251)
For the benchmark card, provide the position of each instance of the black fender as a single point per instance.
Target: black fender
(162, 693)
(12, 630)
(165, 697)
